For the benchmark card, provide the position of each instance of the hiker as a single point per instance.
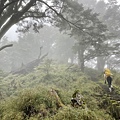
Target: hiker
(108, 78)
(77, 99)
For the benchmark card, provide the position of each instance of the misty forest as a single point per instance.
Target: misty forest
(63, 62)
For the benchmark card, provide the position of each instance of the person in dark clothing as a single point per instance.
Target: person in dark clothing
(108, 78)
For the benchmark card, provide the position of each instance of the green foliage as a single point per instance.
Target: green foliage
(116, 79)
(2, 75)
(27, 48)
(88, 31)
(30, 102)
(112, 106)
(47, 66)
(77, 114)
(28, 96)
(94, 74)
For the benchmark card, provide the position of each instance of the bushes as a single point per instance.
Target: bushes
(29, 103)
(116, 80)
(94, 74)
(35, 102)
(69, 113)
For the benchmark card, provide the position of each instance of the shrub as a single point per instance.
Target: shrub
(29, 102)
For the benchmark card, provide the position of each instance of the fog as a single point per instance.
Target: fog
(57, 43)
(12, 34)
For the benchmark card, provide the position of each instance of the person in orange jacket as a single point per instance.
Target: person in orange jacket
(108, 78)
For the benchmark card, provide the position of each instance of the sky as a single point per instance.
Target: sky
(11, 34)
(107, 0)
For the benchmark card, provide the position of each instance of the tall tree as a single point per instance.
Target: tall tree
(108, 14)
(62, 48)
(111, 18)
(27, 48)
(89, 36)
(27, 14)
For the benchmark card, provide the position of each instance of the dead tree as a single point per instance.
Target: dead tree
(29, 67)
(58, 100)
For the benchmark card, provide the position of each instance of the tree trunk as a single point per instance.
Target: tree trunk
(72, 58)
(81, 58)
(5, 29)
(58, 100)
(14, 19)
(100, 63)
(5, 46)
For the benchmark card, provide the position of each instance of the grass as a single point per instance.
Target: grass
(28, 96)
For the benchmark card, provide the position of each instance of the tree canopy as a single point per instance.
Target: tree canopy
(29, 13)
(90, 33)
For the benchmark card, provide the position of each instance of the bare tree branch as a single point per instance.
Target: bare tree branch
(31, 16)
(15, 18)
(7, 5)
(5, 46)
(61, 16)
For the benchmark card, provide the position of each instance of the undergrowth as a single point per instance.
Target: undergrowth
(28, 96)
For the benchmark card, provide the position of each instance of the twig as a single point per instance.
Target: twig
(5, 46)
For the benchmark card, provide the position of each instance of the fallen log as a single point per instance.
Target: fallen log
(24, 69)
(58, 100)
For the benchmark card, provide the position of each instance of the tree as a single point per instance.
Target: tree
(100, 8)
(108, 14)
(27, 14)
(90, 36)
(27, 48)
(13, 11)
(88, 3)
(7, 55)
(63, 49)
(111, 18)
